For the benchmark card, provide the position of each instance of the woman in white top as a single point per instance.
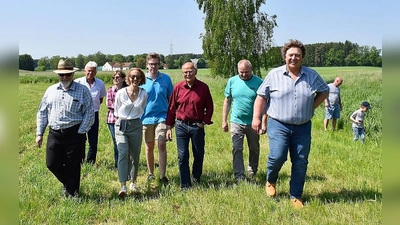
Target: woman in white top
(129, 107)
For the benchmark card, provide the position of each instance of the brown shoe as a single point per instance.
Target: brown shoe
(270, 189)
(297, 203)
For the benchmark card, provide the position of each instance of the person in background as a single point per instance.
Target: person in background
(119, 83)
(159, 88)
(290, 94)
(240, 93)
(98, 91)
(357, 117)
(128, 108)
(333, 103)
(67, 108)
(190, 108)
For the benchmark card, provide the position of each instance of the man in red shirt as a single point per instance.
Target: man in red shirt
(190, 108)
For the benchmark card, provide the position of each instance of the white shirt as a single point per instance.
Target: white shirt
(97, 90)
(125, 108)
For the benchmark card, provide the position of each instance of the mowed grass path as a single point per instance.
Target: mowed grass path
(343, 185)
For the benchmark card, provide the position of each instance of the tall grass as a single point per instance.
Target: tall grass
(343, 184)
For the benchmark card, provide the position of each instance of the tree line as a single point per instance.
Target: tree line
(317, 55)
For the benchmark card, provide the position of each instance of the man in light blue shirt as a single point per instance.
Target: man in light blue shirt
(159, 88)
(98, 92)
(240, 93)
(333, 103)
(289, 94)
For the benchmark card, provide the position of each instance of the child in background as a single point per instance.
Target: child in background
(358, 121)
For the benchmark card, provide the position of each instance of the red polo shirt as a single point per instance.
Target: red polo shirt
(190, 103)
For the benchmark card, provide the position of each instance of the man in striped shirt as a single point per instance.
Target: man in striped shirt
(289, 94)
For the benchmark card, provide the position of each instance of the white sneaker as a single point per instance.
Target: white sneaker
(122, 192)
(132, 187)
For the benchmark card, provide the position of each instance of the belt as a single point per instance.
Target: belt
(68, 130)
(189, 122)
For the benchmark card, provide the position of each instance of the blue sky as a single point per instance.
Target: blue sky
(68, 28)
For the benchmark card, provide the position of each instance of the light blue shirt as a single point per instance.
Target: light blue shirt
(334, 94)
(97, 90)
(62, 109)
(159, 91)
(243, 93)
(291, 101)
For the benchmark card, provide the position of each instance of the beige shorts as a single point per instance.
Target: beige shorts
(153, 132)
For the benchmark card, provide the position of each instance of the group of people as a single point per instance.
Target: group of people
(146, 106)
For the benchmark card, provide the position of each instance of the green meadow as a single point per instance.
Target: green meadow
(343, 183)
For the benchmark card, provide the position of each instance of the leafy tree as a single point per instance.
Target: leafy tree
(54, 62)
(44, 63)
(235, 29)
(201, 63)
(100, 58)
(26, 62)
(130, 58)
(80, 61)
(141, 63)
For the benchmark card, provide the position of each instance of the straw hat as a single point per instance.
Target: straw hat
(64, 66)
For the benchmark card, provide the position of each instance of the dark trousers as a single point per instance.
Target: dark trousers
(93, 138)
(63, 157)
(185, 133)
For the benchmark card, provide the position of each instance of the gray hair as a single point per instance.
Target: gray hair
(91, 64)
(245, 62)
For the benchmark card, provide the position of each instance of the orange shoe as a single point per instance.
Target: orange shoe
(270, 189)
(297, 203)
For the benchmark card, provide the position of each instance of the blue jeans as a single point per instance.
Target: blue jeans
(112, 131)
(238, 132)
(358, 133)
(184, 133)
(295, 139)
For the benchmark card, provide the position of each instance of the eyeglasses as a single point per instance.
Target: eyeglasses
(116, 77)
(65, 74)
(136, 76)
(154, 64)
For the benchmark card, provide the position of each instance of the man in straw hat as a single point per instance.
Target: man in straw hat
(67, 108)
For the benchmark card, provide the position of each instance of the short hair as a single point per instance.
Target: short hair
(153, 55)
(120, 72)
(293, 43)
(142, 76)
(91, 64)
(245, 62)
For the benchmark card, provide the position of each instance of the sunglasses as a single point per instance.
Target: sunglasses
(65, 74)
(116, 77)
(136, 76)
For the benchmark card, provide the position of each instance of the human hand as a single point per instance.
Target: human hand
(169, 135)
(225, 127)
(39, 141)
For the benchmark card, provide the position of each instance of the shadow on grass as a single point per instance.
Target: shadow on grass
(352, 196)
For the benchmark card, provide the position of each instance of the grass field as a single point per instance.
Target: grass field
(343, 184)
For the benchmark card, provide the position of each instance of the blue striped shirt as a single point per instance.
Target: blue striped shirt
(62, 109)
(291, 101)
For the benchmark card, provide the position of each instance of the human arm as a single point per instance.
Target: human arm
(225, 110)
(87, 113)
(209, 107)
(340, 102)
(41, 121)
(260, 105)
(263, 124)
(319, 98)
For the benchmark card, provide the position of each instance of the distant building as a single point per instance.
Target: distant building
(113, 66)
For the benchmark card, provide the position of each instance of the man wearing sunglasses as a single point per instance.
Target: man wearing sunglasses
(67, 108)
